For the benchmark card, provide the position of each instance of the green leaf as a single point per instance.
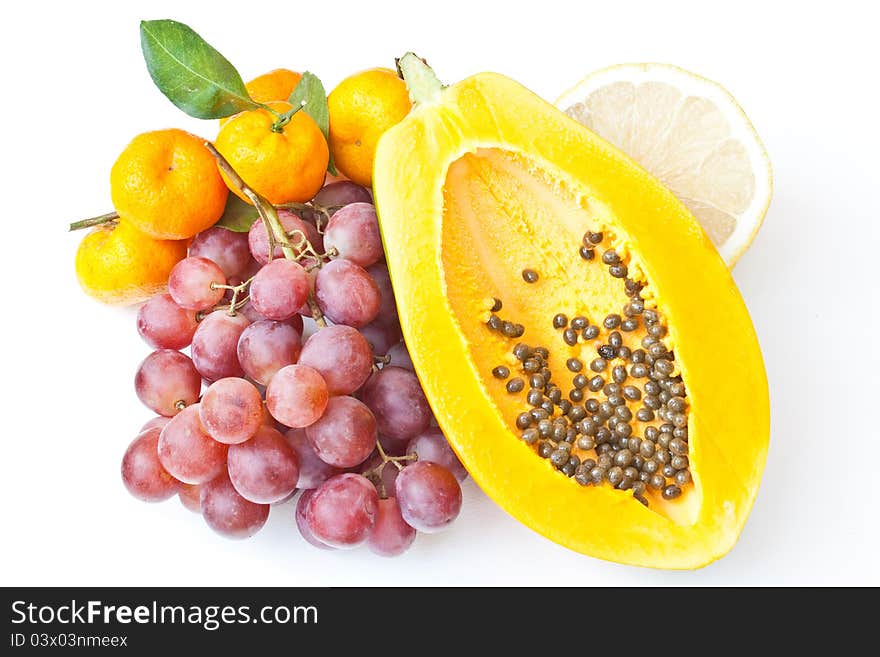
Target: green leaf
(238, 215)
(191, 73)
(311, 90)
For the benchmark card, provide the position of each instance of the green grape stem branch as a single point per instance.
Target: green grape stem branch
(270, 219)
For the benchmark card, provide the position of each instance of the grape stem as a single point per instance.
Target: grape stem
(269, 215)
(375, 474)
(108, 218)
(394, 459)
(235, 303)
(324, 210)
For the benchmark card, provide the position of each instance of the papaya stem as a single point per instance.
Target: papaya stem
(107, 218)
(423, 84)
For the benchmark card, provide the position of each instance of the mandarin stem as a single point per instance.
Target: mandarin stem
(100, 220)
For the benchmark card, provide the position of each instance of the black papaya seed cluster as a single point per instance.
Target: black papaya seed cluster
(622, 417)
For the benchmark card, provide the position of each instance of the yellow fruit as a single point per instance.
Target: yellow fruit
(274, 85)
(484, 181)
(119, 265)
(166, 184)
(692, 135)
(284, 166)
(362, 107)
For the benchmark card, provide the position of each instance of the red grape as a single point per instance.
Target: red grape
(353, 232)
(264, 469)
(342, 355)
(189, 495)
(393, 446)
(190, 283)
(187, 452)
(340, 193)
(345, 435)
(391, 536)
(227, 512)
(279, 289)
(400, 357)
(225, 248)
(396, 399)
(158, 421)
(381, 338)
(431, 445)
(312, 470)
(296, 321)
(165, 379)
(297, 395)
(302, 524)
(429, 496)
(143, 474)
(165, 325)
(258, 239)
(388, 306)
(215, 345)
(231, 410)
(347, 294)
(266, 346)
(315, 238)
(342, 510)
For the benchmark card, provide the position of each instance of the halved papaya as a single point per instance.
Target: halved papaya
(575, 330)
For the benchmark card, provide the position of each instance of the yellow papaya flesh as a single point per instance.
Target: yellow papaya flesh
(483, 180)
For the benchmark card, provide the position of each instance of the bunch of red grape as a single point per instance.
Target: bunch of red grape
(340, 415)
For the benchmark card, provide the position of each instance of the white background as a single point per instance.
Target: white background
(75, 90)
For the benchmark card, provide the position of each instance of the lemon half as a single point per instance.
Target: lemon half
(692, 135)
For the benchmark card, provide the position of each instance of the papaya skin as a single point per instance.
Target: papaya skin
(482, 127)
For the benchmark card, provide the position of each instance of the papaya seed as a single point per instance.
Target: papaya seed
(501, 372)
(671, 492)
(523, 421)
(515, 385)
(611, 321)
(522, 351)
(618, 271)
